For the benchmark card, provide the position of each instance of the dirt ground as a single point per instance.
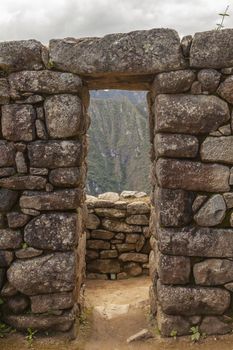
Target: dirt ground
(114, 311)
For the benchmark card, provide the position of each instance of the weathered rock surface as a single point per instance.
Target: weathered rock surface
(209, 79)
(63, 115)
(8, 290)
(212, 49)
(57, 200)
(196, 241)
(119, 53)
(176, 146)
(212, 212)
(173, 269)
(225, 89)
(135, 257)
(133, 269)
(199, 201)
(47, 302)
(137, 219)
(10, 239)
(16, 219)
(102, 234)
(18, 122)
(104, 266)
(214, 325)
(49, 273)
(45, 82)
(67, 177)
(192, 300)
(8, 199)
(26, 253)
(97, 244)
(190, 114)
(174, 207)
(23, 182)
(110, 212)
(7, 154)
(6, 258)
(217, 149)
(138, 208)
(118, 226)
(18, 303)
(40, 322)
(213, 272)
(4, 91)
(194, 176)
(108, 254)
(93, 222)
(228, 199)
(125, 247)
(20, 163)
(173, 82)
(20, 55)
(143, 334)
(55, 154)
(109, 196)
(55, 231)
(168, 323)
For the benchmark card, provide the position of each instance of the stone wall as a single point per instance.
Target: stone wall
(44, 100)
(42, 179)
(118, 244)
(192, 177)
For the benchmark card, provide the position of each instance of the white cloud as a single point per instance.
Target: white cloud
(46, 19)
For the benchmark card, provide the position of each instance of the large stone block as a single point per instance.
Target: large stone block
(213, 272)
(110, 212)
(8, 199)
(50, 273)
(56, 231)
(196, 241)
(45, 82)
(4, 91)
(167, 324)
(209, 79)
(26, 182)
(194, 176)
(7, 154)
(215, 325)
(217, 149)
(63, 115)
(119, 226)
(104, 266)
(191, 114)
(173, 82)
(138, 52)
(173, 269)
(174, 207)
(57, 200)
(55, 154)
(6, 258)
(48, 302)
(176, 146)
(212, 49)
(212, 212)
(135, 257)
(67, 177)
(10, 239)
(190, 301)
(138, 207)
(18, 122)
(225, 89)
(20, 55)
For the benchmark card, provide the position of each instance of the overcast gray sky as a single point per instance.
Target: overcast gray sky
(46, 19)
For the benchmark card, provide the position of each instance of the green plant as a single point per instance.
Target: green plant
(50, 63)
(24, 245)
(30, 336)
(223, 16)
(196, 335)
(5, 329)
(173, 334)
(1, 301)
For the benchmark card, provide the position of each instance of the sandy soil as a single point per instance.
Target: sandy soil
(115, 310)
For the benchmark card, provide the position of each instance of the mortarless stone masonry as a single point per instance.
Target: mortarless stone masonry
(44, 100)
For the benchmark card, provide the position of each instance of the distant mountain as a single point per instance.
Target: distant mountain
(118, 156)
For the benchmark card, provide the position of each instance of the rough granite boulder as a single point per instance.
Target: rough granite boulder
(4, 91)
(188, 301)
(67, 177)
(55, 231)
(191, 114)
(209, 79)
(55, 154)
(196, 241)
(50, 273)
(48, 302)
(173, 82)
(21, 55)
(45, 82)
(213, 272)
(173, 269)
(10, 239)
(8, 199)
(104, 266)
(7, 154)
(176, 145)
(140, 52)
(225, 89)
(217, 149)
(194, 176)
(63, 115)
(212, 49)
(212, 212)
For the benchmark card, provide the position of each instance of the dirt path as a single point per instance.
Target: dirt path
(115, 311)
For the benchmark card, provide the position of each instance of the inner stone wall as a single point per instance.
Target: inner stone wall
(117, 231)
(44, 100)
